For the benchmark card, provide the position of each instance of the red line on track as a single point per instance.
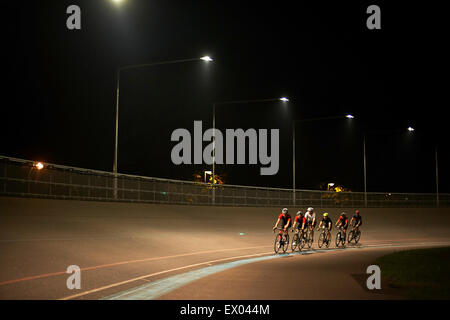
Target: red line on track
(46, 275)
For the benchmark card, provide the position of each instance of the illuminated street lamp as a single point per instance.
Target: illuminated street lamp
(116, 142)
(39, 165)
(207, 172)
(410, 129)
(206, 58)
(349, 116)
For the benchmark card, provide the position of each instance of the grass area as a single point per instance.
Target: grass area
(422, 273)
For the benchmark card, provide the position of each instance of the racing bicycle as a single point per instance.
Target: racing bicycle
(281, 241)
(354, 235)
(323, 238)
(299, 240)
(340, 239)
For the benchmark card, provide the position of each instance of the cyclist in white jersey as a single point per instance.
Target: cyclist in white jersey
(311, 220)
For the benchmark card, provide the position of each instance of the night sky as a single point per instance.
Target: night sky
(58, 93)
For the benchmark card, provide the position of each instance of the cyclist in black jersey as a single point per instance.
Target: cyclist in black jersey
(356, 220)
(327, 223)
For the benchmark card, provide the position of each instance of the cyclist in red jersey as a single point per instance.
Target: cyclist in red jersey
(285, 220)
(300, 223)
(343, 222)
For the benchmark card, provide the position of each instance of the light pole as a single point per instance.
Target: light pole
(411, 130)
(284, 99)
(437, 175)
(119, 69)
(349, 116)
(365, 171)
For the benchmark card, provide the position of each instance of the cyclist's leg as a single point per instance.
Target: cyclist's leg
(280, 236)
(296, 235)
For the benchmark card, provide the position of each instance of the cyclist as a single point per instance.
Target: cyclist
(300, 223)
(343, 222)
(356, 220)
(311, 220)
(285, 220)
(327, 223)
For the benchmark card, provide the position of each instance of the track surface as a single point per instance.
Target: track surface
(121, 246)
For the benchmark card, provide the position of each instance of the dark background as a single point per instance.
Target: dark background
(58, 90)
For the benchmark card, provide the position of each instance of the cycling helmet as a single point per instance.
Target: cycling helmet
(299, 213)
(285, 210)
(325, 214)
(343, 213)
(310, 209)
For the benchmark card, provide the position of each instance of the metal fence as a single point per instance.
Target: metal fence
(23, 178)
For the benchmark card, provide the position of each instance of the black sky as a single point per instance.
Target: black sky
(58, 97)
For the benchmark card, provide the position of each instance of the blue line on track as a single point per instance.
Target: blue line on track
(158, 288)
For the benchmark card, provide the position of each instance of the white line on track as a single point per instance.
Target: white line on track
(252, 255)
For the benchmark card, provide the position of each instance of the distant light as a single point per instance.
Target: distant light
(208, 172)
(206, 58)
(331, 184)
(39, 165)
(410, 129)
(349, 116)
(284, 99)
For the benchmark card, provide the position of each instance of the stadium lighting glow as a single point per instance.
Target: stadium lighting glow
(39, 165)
(284, 99)
(349, 116)
(206, 58)
(410, 129)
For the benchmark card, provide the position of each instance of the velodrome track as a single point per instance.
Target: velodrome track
(145, 251)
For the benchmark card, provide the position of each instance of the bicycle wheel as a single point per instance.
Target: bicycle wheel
(358, 235)
(327, 242)
(285, 243)
(302, 243)
(350, 236)
(321, 239)
(338, 238)
(309, 239)
(277, 244)
(295, 242)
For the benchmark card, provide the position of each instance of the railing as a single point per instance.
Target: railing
(22, 178)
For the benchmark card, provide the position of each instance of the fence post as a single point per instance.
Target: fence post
(70, 184)
(50, 184)
(139, 189)
(5, 178)
(89, 185)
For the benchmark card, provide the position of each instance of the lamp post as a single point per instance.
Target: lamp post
(410, 130)
(135, 66)
(437, 175)
(349, 116)
(283, 99)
